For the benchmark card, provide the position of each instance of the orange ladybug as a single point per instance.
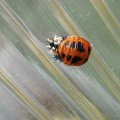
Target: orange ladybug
(71, 50)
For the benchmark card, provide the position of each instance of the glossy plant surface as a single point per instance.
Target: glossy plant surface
(33, 86)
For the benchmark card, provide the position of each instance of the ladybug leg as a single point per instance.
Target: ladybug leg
(53, 52)
(51, 43)
(57, 57)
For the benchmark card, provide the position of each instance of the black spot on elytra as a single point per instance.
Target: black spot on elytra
(63, 55)
(67, 43)
(73, 45)
(69, 57)
(89, 50)
(80, 47)
(75, 59)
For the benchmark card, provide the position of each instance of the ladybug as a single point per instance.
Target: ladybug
(71, 50)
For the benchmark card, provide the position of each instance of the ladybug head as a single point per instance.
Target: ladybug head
(53, 44)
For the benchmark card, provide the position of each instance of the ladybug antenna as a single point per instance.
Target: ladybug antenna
(49, 40)
(64, 36)
(48, 46)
